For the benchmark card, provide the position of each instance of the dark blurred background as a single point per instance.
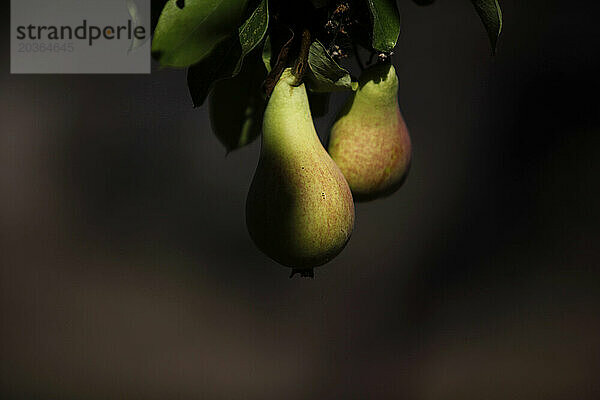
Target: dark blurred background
(127, 271)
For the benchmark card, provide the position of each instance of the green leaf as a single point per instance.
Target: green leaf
(237, 105)
(156, 9)
(386, 24)
(185, 36)
(254, 30)
(324, 74)
(266, 54)
(227, 57)
(490, 13)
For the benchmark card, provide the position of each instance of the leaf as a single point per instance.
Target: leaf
(386, 24)
(237, 105)
(156, 8)
(185, 36)
(253, 31)
(221, 63)
(491, 15)
(227, 58)
(266, 54)
(324, 74)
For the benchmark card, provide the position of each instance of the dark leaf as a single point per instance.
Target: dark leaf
(227, 58)
(221, 63)
(490, 13)
(237, 105)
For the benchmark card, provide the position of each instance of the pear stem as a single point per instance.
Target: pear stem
(302, 61)
(279, 67)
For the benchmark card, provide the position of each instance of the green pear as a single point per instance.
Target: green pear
(299, 209)
(369, 140)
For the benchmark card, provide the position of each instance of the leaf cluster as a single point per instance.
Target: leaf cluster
(241, 40)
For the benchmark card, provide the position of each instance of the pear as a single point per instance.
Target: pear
(299, 209)
(369, 140)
